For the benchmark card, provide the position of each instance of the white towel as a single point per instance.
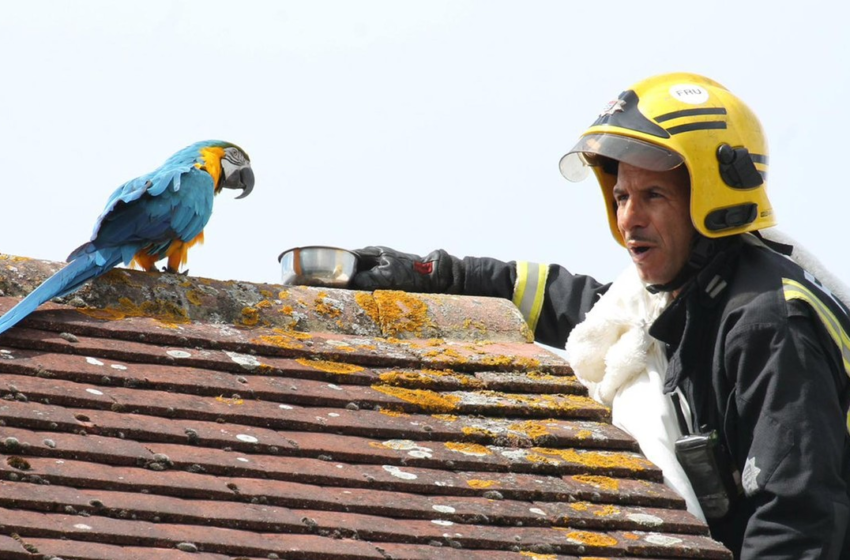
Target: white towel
(623, 367)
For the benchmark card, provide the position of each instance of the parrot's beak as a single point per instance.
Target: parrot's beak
(240, 179)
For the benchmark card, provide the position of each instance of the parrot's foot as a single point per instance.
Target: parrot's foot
(169, 270)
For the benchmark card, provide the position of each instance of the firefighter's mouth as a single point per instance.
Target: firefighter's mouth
(639, 251)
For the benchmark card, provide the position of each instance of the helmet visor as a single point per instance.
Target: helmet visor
(587, 153)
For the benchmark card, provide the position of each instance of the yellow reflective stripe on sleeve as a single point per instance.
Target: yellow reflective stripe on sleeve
(795, 290)
(530, 290)
(521, 280)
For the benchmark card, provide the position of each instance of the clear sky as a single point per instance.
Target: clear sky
(418, 125)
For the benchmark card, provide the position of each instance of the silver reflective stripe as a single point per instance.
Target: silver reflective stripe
(530, 290)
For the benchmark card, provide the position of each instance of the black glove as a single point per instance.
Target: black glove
(382, 268)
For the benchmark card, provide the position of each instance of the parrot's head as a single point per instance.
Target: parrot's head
(236, 172)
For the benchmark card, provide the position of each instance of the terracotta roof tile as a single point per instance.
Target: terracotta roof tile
(176, 417)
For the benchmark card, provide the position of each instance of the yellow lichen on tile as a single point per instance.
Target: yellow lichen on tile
(428, 401)
(330, 367)
(476, 431)
(580, 506)
(118, 276)
(428, 377)
(540, 459)
(194, 297)
(105, 314)
(474, 349)
(518, 362)
(542, 376)
(400, 312)
(164, 311)
(530, 428)
(474, 324)
(250, 317)
(368, 305)
(606, 511)
(584, 434)
(161, 310)
(394, 340)
(449, 353)
(600, 482)
(229, 401)
(481, 484)
(526, 363)
(392, 412)
(537, 555)
(284, 342)
(596, 459)
(285, 338)
(468, 448)
(283, 294)
(588, 538)
(325, 309)
(445, 417)
(263, 304)
(395, 377)
(288, 333)
(13, 258)
(526, 332)
(286, 309)
(494, 361)
(557, 403)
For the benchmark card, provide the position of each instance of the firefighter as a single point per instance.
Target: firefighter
(754, 351)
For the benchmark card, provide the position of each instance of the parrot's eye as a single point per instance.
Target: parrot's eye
(235, 156)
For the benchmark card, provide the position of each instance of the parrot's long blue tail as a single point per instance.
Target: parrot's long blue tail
(75, 274)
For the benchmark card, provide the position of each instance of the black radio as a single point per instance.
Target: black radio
(712, 476)
(714, 479)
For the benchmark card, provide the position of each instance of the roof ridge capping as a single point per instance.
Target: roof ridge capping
(174, 298)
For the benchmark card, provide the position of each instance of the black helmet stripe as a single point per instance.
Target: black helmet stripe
(691, 113)
(696, 126)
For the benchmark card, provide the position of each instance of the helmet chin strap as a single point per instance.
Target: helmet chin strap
(702, 250)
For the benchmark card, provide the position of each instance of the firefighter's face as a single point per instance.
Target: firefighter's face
(653, 216)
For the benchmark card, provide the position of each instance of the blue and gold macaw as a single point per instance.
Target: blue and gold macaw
(152, 217)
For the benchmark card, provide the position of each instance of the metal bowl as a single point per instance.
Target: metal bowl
(317, 266)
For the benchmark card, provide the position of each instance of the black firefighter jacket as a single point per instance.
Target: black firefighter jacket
(761, 352)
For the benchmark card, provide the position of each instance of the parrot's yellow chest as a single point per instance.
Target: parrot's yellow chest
(212, 163)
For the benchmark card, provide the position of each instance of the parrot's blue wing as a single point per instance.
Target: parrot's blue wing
(143, 219)
(152, 184)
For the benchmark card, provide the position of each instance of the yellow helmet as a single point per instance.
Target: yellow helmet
(674, 119)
